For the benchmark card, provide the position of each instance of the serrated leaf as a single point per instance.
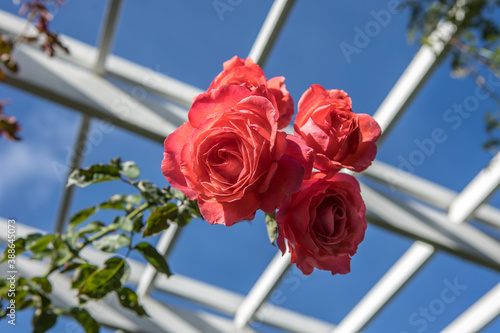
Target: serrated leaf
(153, 257)
(43, 283)
(84, 318)
(158, 220)
(111, 243)
(81, 216)
(93, 174)
(128, 298)
(32, 238)
(40, 244)
(129, 170)
(151, 192)
(113, 276)
(81, 274)
(272, 227)
(43, 320)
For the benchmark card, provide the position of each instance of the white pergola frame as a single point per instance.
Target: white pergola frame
(80, 81)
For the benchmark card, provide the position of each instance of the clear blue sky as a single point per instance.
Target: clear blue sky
(188, 41)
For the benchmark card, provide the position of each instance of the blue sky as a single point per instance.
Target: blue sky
(189, 41)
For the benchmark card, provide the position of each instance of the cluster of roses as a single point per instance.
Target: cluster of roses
(233, 157)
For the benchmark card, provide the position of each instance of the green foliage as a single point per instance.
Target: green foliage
(111, 243)
(105, 280)
(153, 257)
(159, 207)
(159, 219)
(84, 318)
(475, 48)
(128, 298)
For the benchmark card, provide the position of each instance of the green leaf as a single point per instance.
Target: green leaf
(43, 283)
(121, 201)
(153, 257)
(93, 226)
(151, 192)
(81, 216)
(31, 239)
(138, 224)
(158, 220)
(128, 298)
(129, 170)
(125, 224)
(74, 264)
(177, 194)
(272, 228)
(40, 244)
(43, 320)
(81, 274)
(187, 211)
(93, 174)
(62, 252)
(111, 243)
(18, 246)
(83, 317)
(113, 276)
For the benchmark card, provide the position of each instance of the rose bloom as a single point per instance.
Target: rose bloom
(323, 223)
(246, 72)
(231, 157)
(339, 137)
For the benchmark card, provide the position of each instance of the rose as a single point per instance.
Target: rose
(231, 157)
(323, 223)
(238, 71)
(339, 137)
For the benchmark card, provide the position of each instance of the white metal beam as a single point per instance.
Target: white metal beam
(270, 30)
(76, 160)
(108, 29)
(79, 89)
(438, 196)
(262, 289)
(479, 315)
(477, 191)
(386, 288)
(420, 222)
(395, 212)
(212, 297)
(84, 55)
(407, 86)
(109, 312)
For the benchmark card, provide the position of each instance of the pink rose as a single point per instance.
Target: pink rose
(323, 223)
(339, 137)
(246, 72)
(231, 157)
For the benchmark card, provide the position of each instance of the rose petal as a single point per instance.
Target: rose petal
(170, 165)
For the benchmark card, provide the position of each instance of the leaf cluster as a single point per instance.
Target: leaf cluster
(147, 212)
